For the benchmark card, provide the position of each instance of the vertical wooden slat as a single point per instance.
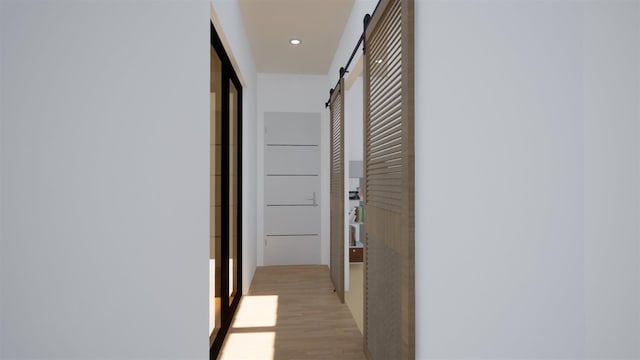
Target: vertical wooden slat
(389, 321)
(337, 189)
(408, 273)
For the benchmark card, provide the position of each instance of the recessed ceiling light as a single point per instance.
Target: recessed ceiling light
(295, 41)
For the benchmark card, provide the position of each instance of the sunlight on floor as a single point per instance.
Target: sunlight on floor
(257, 311)
(249, 336)
(212, 297)
(291, 312)
(253, 345)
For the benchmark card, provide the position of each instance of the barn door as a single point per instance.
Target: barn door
(389, 183)
(337, 189)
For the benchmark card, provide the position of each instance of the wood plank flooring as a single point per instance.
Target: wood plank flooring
(292, 312)
(354, 298)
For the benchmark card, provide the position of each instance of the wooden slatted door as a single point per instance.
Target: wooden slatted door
(389, 183)
(337, 189)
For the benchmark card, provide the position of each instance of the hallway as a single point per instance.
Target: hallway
(292, 312)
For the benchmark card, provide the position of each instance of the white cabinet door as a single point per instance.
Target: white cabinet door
(292, 188)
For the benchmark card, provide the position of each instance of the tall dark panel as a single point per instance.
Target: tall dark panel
(226, 195)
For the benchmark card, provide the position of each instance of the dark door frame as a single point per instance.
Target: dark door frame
(228, 309)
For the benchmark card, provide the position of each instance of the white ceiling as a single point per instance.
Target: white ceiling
(270, 24)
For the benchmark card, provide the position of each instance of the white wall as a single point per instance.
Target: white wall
(353, 30)
(527, 179)
(104, 118)
(611, 156)
(294, 93)
(227, 20)
(354, 95)
(354, 116)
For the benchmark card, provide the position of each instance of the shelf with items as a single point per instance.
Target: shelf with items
(356, 254)
(355, 234)
(356, 247)
(356, 213)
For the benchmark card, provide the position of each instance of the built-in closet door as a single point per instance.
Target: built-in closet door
(337, 189)
(389, 183)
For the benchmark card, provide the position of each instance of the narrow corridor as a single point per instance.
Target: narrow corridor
(292, 312)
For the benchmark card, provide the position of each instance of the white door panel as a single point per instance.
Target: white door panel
(291, 190)
(291, 183)
(292, 160)
(292, 220)
(292, 128)
(292, 250)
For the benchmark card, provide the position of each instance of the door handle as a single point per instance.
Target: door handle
(313, 199)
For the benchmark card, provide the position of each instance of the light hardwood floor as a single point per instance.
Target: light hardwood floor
(292, 312)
